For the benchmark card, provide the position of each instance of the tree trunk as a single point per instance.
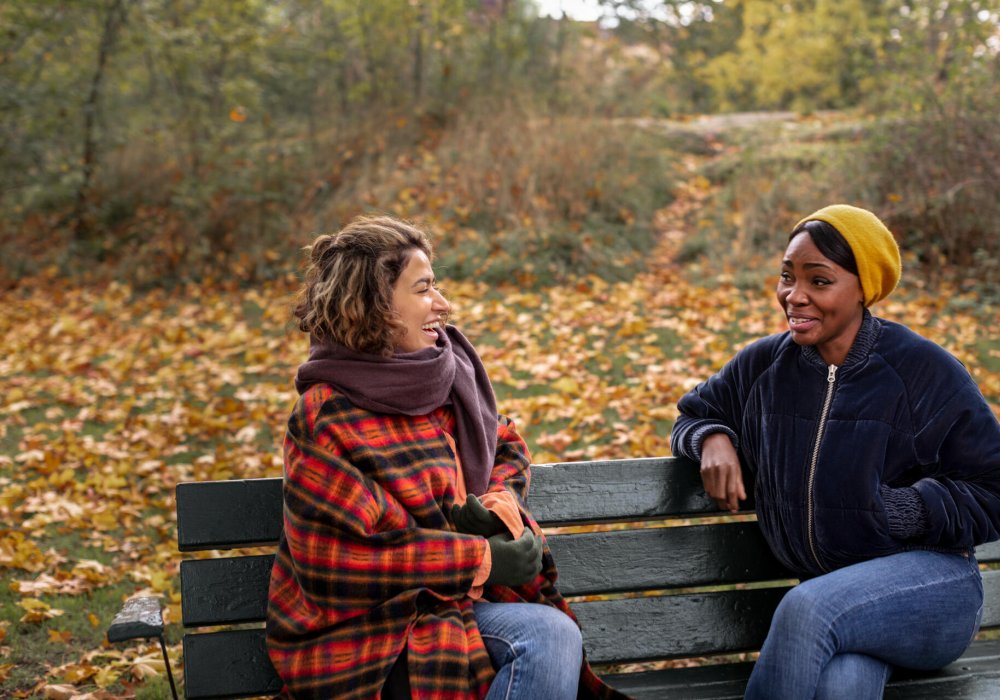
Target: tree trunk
(113, 21)
(418, 55)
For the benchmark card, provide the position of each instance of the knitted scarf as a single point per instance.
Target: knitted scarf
(415, 384)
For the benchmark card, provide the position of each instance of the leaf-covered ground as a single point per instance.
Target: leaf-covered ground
(109, 398)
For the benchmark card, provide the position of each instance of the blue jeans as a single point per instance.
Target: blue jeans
(839, 635)
(536, 650)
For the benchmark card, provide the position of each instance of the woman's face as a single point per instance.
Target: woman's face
(822, 301)
(419, 304)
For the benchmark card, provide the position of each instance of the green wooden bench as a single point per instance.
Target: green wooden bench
(679, 582)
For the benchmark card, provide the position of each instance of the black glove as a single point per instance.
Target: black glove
(474, 519)
(515, 562)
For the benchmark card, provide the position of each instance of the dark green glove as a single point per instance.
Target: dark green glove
(515, 562)
(474, 519)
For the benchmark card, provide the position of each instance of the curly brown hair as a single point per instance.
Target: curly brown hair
(349, 279)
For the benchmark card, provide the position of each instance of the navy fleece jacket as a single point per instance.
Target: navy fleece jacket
(896, 449)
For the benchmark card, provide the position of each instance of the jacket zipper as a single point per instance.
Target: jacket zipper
(831, 379)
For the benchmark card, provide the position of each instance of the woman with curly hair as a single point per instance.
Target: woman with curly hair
(409, 565)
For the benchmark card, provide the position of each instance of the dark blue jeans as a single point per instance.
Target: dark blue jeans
(839, 635)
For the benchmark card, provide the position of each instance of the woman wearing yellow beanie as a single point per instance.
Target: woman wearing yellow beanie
(875, 463)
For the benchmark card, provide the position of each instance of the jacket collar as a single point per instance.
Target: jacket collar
(860, 349)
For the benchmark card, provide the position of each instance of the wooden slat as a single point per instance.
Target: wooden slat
(975, 676)
(635, 560)
(224, 591)
(228, 514)
(960, 679)
(234, 590)
(979, 685)
(580, 492)
(228, 664)
(719, 682)
(636, 629)
(991, 599)
(247, 512)
(988, 552)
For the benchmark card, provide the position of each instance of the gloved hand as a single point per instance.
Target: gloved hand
(515, 562)
(474, 519)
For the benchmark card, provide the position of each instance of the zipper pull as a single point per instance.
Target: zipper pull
(831, 374)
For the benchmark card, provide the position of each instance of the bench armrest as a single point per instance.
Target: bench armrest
(141, 617)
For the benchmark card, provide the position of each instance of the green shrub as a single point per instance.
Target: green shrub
(936, 178)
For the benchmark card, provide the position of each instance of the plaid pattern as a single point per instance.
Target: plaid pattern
(369, 563)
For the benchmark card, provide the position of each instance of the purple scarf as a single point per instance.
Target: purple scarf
(415, 384)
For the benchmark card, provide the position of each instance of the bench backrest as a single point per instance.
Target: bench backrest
(654, 571)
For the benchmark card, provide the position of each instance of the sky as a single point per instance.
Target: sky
(586, 10)
(590, 10)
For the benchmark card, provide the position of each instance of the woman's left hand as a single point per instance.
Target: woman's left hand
(475, 519)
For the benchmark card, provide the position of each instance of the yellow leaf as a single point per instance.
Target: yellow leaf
(106, 676)
(566, 385)
(37, 610)
(59, 637)
(160, 581)
(78, 673)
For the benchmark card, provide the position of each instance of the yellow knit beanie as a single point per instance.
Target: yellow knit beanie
(874, 248)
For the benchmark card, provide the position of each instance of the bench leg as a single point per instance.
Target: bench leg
(166, 661)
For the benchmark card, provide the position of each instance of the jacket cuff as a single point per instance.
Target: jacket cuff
(698, 437)
(905, 511)
(479, 580)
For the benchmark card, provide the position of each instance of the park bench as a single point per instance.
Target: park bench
(679, 581)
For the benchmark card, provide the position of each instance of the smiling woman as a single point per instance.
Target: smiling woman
(409, 565)
(876, 470)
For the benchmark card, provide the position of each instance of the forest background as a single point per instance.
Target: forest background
(608, 200)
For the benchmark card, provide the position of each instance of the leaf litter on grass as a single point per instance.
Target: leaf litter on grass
(110, 398)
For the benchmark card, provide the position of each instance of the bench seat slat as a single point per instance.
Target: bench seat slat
(224, 591)
(228, 664)
(234, 589)
(663, 558)
(991, 599)
(695, 624)
(722, 681)
(659, 627)
(975, 676)
(243, 513)
(988, 552)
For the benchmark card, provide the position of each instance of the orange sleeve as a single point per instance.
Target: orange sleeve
(504, 505)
